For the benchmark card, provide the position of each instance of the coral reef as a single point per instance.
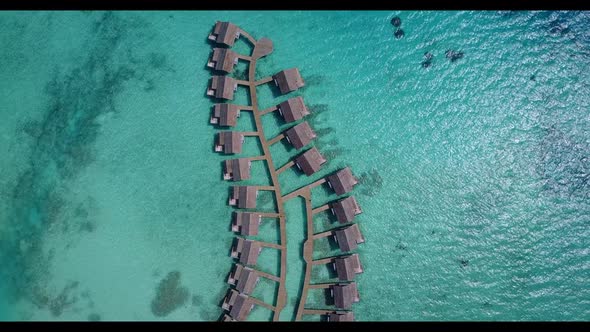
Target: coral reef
(56, 304)
(62, 145)
(170, 295)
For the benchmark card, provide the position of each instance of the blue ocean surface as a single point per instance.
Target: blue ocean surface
(474, 169)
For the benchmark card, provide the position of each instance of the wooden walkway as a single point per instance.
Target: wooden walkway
(303, 189)
(268, 110)
(321, 208)
(285, 167)
(276, 139)
(261, 48)
(268, 276)
(323, 261)
(322, 234)
(305, 192)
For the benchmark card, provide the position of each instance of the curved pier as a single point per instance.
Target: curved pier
(239, 304)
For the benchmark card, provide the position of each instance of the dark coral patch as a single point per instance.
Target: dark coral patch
(427, 62)
(170, 295)
(62, 143)
(371, 182)
(94, 317)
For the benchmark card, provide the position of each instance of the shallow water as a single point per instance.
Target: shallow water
(475, 184)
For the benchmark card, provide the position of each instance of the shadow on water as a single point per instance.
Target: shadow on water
(328, 298)
(311, 81)
(62, 143)
(241, 73)
(316, 110)
(267, 201)
(274, 89)
(329, 147)
(287, 146)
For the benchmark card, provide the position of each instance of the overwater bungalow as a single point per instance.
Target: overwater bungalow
(345, 209)
(229, 142)
(342, 181)
(300, 135)
(247, 280)
(225, 115)
(341, 316)
(288, 80)
(229, 299)
(310, 161)
(246, 223)
(223, 59)
(244, 197)
(347, 267)
(292, 109)
(235, 273)
(348, 237)
(237, 169)
(241, 308)
(345, 295)
(246, 251)
(222, 87)
(244, 278)
(225, 33)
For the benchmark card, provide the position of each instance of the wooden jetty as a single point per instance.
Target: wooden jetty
(243, 277)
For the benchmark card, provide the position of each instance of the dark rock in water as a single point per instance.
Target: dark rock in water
(427, 60)
(533, 77)
(558, 28)
(453, 55)
(399, 33)
(87, 226)
(396, 21)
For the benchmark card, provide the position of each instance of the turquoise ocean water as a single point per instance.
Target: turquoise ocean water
(475, 174)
